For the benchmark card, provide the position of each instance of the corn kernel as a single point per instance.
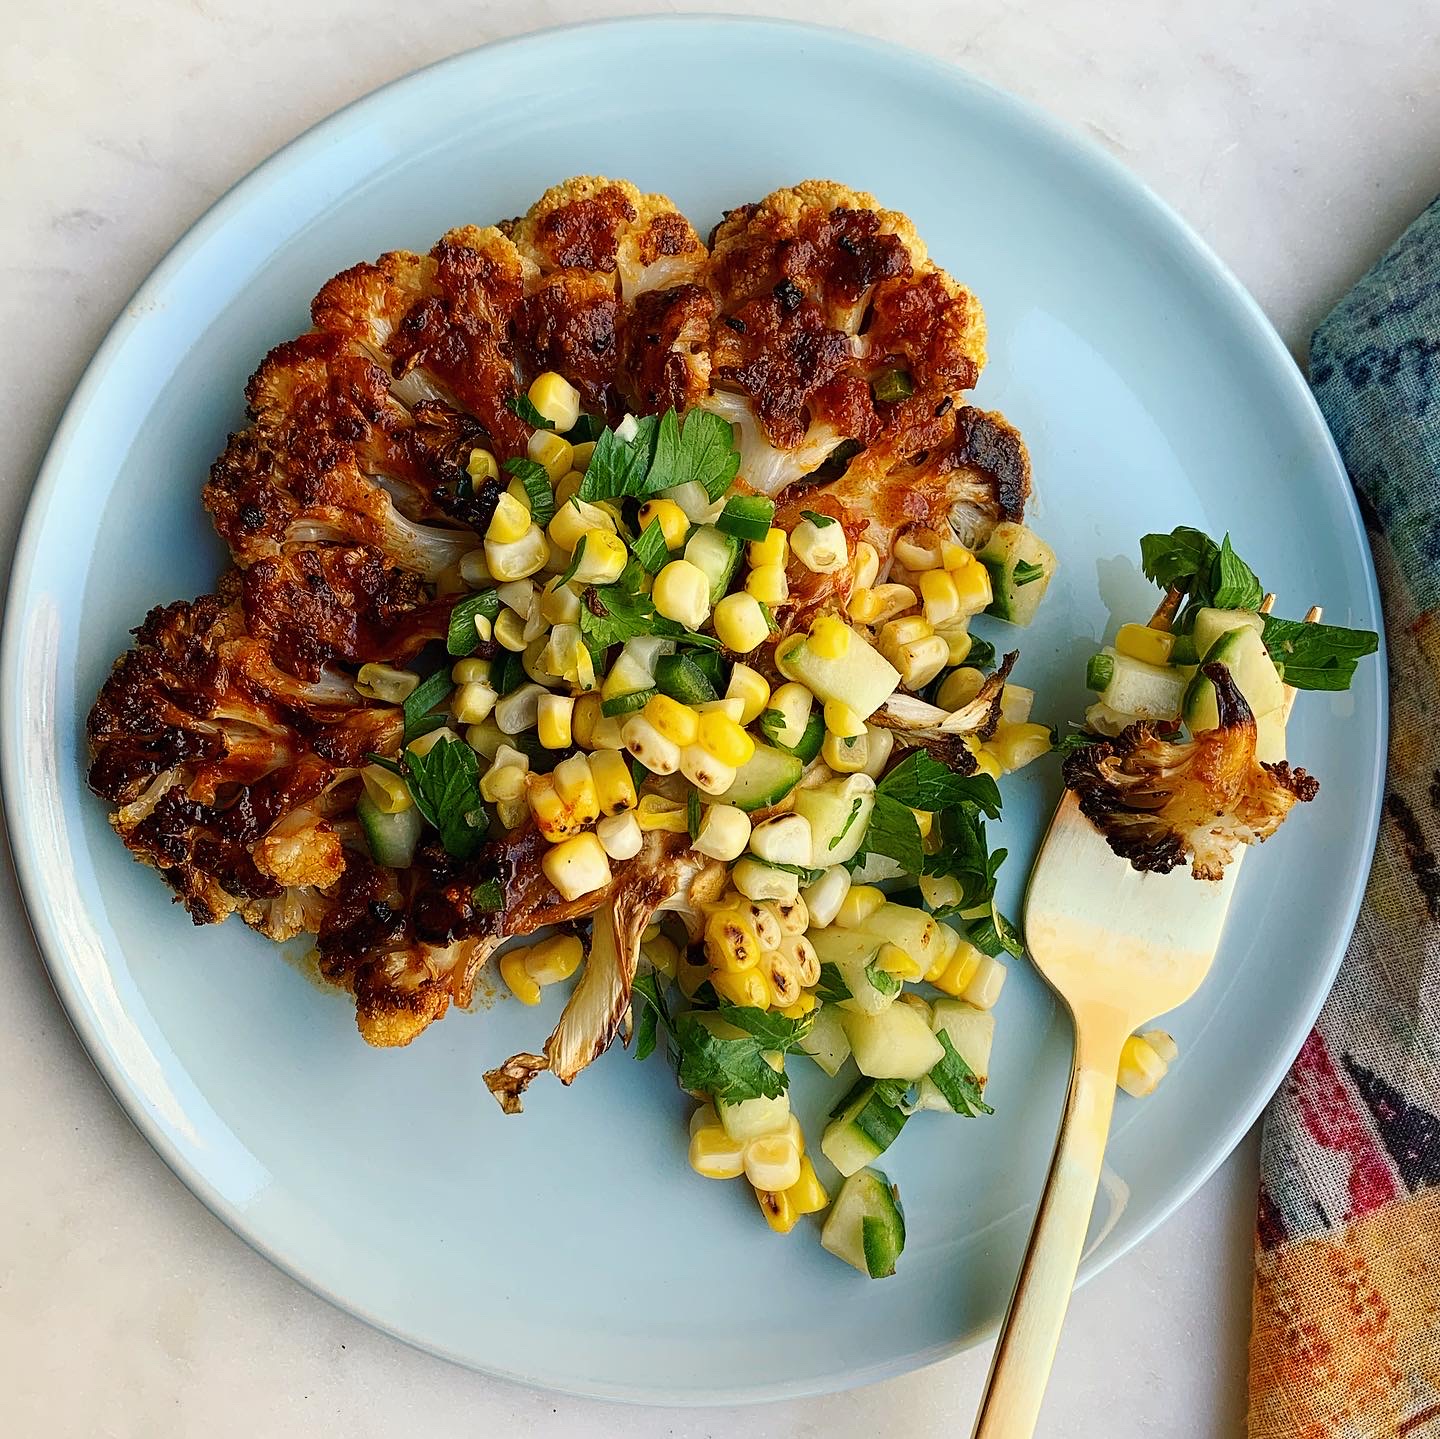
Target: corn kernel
(552, 453)
(576, 786)
(959, 688)
(676, 721)
(957, 639)
(576, 866)
(568, 486)
(576, 518)
(919, 661)
(604, 557)
(472, 702)
(954, 555)
(740, 623)
(482, 466)
(584, 453)
(517, 978)
(517, 559)
(509, 522)
(830, 638)
(510, 631)
(552, 723)
(972, 584)
(473, 569)
(1163, 1044)
(845, 756)
(772, 550)
(1141, 642)
(894, 960)
(860, 902)
(807, 1195)
(759, 881)
(1141, 1067)
(556, 399)
(731, 943)
(747, 988)
(801, 1007)
(865, 568)
(674, 522)
(655, 812)
(1016, 745)
(552, 818)
(720, 736)
(714, 1155)
(884, 602)
(842, 721)
(620, 835)
(751, 688)
(614, 785)
(520, 709)
(559, 604)
(724, 832)
(505, 779)
(553, 960)
(879, 744)
(485, 738)
(941, 598)
(772, 1161)
(387, 792)
(662, 955)
(583, 719)
(708, 774)
(822, 549)
(682, 593)
(384, 682)
(471, 671)
(958, 973)
(424, 743)
(986, 763)
(924, 822)
(986, 983)
(919, 549)
(608, 733)
(768, 584)
(782, 979)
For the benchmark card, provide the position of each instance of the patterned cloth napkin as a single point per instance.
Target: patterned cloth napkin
(1346, 1337)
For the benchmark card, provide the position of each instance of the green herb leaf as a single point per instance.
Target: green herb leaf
(735, 1069)
(537, 488)
(619, 467)
(702, 451)
(893, 832)
(488, 896)
(653, 1013)
(649, 547)
(519, 404)
(769, 616)
(772, 724)
(921, 782)
(692, 814)
(424, 697)
(958, 1082)
(831, 987)
(1067, 744)
(1178, 558)
(394, 766)
(1233, 585)
(818, 520)
(462, 638)
(624, 612)
(445, 785)
(1026, 573)
(587, 429)
(1317, 657)
(572, 569)
(882, 979)
(995, 934)
(856, 806)
(981, 654)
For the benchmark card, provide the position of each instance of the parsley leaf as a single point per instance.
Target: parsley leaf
(445, 785)
(1026, 573)
(422, 699)
(655, 1012)
(462, 638)
(995, 934)
(1189, 560)
(957, 1081)
(850, 819)
(881, 979)
(649, 547)
(818, 520)
(893, 832)
(619, 467)
(1317, 657)
(964, 854)
(573, 568)
(981, 654)
(488, 896)
(519, 404)
(701, 451)
(1066, 744)
(921, 782)
(618, 612)
(537, 488)
(735, 1069)
(831, 988)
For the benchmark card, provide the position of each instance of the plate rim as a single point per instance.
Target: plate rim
(1121, 185)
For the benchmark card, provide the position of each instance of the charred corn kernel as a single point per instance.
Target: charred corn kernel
(772, 1161)
(662, 954)
(576, 786)
(845, 756)
(517, 559)
(553, 454)
(919, 549)
(1141, 642)
(824, 898)
(1163, 1044)
(793, 915)
(860, 902)
(865, 568)
(704, 771)
(552, 721)
(557, 399)
(473, 569)
(509, 522)
(972, 584)
(883, 602)
(740, 623)
(614, 785)
(482, 466)
(656, 812)
(682, 593)
(719, 735)
(841, 720)
(772, 550)
(576, 518)
(822, 548)
(807, 1195)
(552, 816)
(674, 522)
(941, 598)
(576, 866)
(714, 1155)
(604, 557)
(472, 702)
(731, 943)
(920, 661)
(510, 631)
(879, 743)
(387, 792)
(747, 988)
(959, 688)
(1016, 745)
(830, 638)
(620, 835)
(517, 979)
(724, 832)
(768, 584)
(464, 672)
(894, 960)
(986, 763)
(583, 719)
(672, 719)
(801, 953)
(783, 839)
(985, 984)
(1141, 1067)
(424, 743)
(782, 979)
(760, 917)
(759, 881)
(751, 688)
(553, 960)
(384, 682)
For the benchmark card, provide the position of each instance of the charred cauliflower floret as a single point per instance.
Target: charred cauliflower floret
(1160, 803)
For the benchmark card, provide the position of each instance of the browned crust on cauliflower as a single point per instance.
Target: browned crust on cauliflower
(1159, 802)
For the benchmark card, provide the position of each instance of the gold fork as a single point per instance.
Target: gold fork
(1120, 948)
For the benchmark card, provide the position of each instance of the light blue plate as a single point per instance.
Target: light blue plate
(573, 1248)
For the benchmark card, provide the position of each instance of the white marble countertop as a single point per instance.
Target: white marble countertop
(1297, 139)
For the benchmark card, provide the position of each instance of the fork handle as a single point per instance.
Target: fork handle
(1025, 1350)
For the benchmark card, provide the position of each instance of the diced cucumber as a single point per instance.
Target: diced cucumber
(1020, 565)
(1099, 671)
(682, 679)
(391, 838)
(1210, 624)
(717, 555)
(1270, 737)
(811, 738)
(863, 1127)
(861, 678)
(897, 1043)
(865, 1227)
(1243, 653)
(839, 814)
(629, 675)
(972, 1032)
(825, 1042)
(713, 666)
(753, 1117)
(764, 779)
(1140, 690)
